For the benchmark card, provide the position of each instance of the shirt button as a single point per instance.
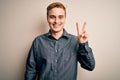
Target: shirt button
(56, 50)
(55, 71)
(56, 61)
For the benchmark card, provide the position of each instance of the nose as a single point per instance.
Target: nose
(56, 20)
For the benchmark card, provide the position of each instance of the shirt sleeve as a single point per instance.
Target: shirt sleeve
(30, 73)
(85, 56)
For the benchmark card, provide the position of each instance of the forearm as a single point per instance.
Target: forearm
(30, 73)
(85, 57)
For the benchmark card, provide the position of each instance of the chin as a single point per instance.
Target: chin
(56, 30)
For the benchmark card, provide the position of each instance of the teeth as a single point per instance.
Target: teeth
(56, 25)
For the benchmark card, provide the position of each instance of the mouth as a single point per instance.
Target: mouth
(56, 25)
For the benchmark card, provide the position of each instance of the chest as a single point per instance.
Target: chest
(57, 52)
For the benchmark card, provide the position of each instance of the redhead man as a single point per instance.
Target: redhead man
(54, 55)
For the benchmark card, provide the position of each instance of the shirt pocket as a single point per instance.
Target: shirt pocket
(67, 55)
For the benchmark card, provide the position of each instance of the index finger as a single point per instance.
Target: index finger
(84, 26)
(78, 28)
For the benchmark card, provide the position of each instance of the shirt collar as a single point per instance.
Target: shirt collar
(64, 35)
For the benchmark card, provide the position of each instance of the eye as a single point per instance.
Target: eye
(61, 16)
(52, 16)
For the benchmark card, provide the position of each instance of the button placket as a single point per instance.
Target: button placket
(56, 60)
(55, 57)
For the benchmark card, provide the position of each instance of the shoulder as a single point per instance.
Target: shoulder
(40, 37)
(73, 36)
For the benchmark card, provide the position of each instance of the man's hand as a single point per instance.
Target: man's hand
(82, 34)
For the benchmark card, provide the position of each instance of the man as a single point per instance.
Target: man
(54, 55)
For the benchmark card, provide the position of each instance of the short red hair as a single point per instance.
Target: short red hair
(56, 5)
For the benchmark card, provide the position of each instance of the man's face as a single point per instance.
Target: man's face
(56, 19)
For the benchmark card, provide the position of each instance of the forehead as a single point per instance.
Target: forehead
(56, 11)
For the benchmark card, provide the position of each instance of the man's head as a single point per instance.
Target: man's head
(56, 15)
(55, 5)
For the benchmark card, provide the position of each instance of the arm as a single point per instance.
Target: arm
(85, 57)
(30, 73)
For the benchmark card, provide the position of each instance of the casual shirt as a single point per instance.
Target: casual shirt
(56, 59)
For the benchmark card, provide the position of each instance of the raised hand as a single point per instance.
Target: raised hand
(82, 34)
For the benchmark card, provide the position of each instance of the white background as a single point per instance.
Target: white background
(22, 20)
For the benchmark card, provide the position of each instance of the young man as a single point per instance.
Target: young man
(54, 55)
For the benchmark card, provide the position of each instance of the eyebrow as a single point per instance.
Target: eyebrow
(58, 15)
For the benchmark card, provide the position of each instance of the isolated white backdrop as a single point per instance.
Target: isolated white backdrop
(21, 21)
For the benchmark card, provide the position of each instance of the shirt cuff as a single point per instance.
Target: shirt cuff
(82, 45)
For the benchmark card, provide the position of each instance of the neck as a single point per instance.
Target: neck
(57, 35)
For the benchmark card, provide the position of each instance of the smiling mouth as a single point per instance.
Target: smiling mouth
(56, 25)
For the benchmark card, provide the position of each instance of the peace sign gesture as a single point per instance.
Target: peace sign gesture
(82, 34)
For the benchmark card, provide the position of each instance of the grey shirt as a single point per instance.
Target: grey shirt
(53, 59)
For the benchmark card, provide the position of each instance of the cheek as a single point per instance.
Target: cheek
(63, 21)
(50, 21)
